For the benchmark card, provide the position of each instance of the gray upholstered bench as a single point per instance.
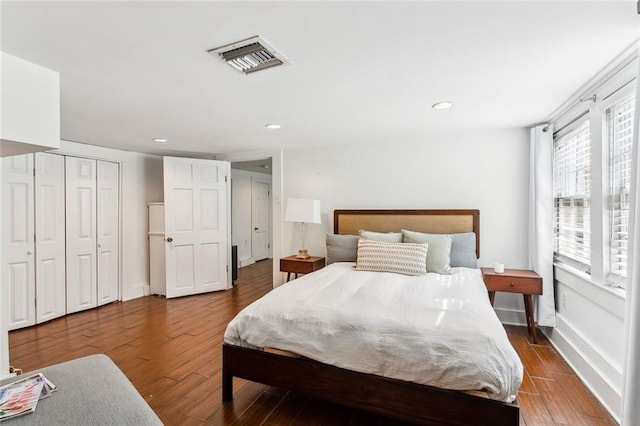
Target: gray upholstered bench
(91, 391)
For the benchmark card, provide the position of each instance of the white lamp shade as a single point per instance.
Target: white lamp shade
(302, 210)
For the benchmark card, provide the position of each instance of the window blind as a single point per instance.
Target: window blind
(619, 119)
(572, 190)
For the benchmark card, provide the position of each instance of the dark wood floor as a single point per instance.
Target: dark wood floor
(170, 350)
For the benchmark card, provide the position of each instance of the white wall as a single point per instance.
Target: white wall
(241, 202)
(30, 107)
(142, 183)
(4, 318)
(590, 333)
(485, 170)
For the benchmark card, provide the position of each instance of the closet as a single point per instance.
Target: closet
(61, 228)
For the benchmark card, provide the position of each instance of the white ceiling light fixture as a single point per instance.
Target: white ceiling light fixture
(272, 126)
(249, 55)
(442, 105)
(159, 140)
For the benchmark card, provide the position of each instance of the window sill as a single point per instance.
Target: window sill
(614, 291)
(611, 299)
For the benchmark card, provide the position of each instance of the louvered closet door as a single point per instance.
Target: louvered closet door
(81, 234)
(18, 271)
(108, 186)
(50, 236)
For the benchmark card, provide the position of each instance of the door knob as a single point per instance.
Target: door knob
(29, 252)
(169, 239)
(255, 229)
(99, 245)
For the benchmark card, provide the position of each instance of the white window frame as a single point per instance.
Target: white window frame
(610, 278)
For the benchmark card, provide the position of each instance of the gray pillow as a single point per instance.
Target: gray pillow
(463, 250)
(342, 248)
(438, 256)
(382, 237)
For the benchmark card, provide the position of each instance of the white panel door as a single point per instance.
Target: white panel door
(260, 220)
(81, 234)
(108, 192)
(18, 271)
(50, 237)
(197, 246)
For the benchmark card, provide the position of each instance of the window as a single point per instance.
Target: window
(572, 189)
(619, 126)
(592, 172)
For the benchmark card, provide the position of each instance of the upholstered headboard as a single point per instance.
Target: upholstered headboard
(349, 222)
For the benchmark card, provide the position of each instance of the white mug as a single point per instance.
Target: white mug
(498, 268)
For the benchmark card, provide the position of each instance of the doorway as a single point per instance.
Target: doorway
(251, 212)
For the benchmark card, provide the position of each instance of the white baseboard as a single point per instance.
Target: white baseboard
(588, 364)
(140, 290)
(511, 317)
(246, 262)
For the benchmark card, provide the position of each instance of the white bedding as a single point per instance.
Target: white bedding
(438, 330)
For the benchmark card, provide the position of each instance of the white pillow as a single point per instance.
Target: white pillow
(439, 257)
(399, 258)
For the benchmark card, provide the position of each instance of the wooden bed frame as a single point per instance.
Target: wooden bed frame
(397, 399)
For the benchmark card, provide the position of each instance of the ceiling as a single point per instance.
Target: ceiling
(357, 72)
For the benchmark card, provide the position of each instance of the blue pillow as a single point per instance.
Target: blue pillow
(463, 250)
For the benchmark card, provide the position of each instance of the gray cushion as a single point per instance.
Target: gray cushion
(91, 391)
(342, 248)
(463, 250)
(438, 258)
(383, 237)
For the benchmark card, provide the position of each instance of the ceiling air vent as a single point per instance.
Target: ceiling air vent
(250, 55)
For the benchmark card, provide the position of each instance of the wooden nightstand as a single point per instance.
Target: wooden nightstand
(294, 265)
(520, 281)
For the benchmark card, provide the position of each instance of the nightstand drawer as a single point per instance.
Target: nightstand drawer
(513, 284)
(301, 266)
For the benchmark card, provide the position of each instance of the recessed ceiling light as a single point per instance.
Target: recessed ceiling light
(442, 105)
(160, 140)
(272, 126)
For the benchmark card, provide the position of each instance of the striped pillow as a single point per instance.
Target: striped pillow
(399, 258)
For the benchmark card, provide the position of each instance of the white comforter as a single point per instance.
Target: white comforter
(438, 330)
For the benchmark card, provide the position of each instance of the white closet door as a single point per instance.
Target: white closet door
(196, 226)
(50, 237)
(81, 234)
(108, 185)
(18, 271)
(260, 220)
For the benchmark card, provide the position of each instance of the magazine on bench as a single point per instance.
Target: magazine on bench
(22, 396)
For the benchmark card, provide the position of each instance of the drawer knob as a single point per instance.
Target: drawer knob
(512, 285)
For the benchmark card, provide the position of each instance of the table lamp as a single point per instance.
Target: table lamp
(303, 210)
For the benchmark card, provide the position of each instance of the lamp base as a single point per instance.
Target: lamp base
(303, 254)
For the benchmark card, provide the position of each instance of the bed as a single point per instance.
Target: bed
(399, 393)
